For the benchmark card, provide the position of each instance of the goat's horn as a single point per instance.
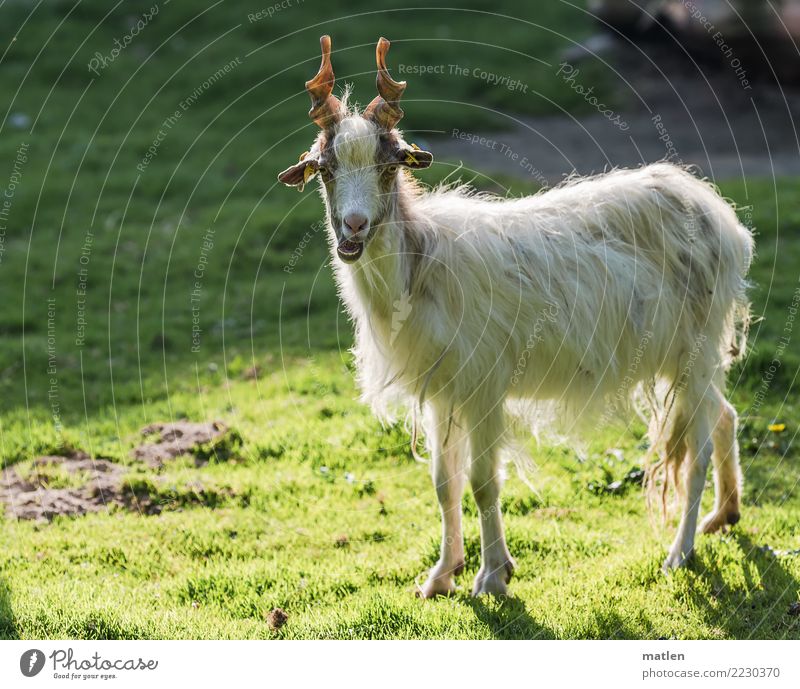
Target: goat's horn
(325, 107)
(385, 109)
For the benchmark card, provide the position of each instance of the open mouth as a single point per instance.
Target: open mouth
(349, 251)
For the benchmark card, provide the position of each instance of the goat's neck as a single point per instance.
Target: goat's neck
(382, 276)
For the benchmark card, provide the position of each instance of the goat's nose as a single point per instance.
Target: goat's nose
(356, 222)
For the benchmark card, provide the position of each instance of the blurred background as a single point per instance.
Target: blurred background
(146, 124)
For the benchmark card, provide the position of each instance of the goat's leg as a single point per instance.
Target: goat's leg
(497, 566)
(699, 449)
(448, 466)
(727, 474)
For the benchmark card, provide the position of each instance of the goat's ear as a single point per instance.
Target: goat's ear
(414, 157)
(301, 172)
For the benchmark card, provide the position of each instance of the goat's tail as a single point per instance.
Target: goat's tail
(740, 316)
(667, 432)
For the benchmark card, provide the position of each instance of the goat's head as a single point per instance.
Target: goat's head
(357, 156)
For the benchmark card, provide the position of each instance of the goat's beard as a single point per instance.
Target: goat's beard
(349, 251)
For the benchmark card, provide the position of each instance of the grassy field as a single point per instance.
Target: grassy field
(315, 508)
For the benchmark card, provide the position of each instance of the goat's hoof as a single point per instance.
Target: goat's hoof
(440, 581)
(675, 560)
(434, 587)
(493, 580)
(720, 520)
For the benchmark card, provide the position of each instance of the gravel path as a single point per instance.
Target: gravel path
(674, 108)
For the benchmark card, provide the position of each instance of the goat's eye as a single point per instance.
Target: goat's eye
(391, 169)
(324, 172)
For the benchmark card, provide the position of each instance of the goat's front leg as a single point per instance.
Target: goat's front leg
(448, 464)
(486, 479)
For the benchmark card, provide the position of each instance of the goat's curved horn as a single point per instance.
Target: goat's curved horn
(385, 109)
(325, 107)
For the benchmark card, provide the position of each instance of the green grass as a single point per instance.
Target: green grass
(320, 511)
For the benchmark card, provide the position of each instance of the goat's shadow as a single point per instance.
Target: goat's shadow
(507, 618)
(8, 625)
(739, 612)
(742, 613)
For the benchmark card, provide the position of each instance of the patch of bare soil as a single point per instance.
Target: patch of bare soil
(171, 440)
(98, 484)
(75, 484)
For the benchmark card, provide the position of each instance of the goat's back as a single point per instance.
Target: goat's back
(561, 291)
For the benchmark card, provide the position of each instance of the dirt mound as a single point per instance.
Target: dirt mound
(201, 440)
(75, 484)
(276, 618)
(94, 485)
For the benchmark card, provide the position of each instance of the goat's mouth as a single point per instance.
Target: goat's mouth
(349, 251)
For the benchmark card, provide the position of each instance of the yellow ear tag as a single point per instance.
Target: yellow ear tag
(411, 160)
(308, 173)
(415, 147)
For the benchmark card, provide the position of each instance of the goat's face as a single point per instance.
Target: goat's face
(356, 156)
(358, 166)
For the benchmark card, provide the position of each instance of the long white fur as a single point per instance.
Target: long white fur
(559, 307)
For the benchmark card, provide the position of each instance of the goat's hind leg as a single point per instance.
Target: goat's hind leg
(699, 449)
(727, 474)
(448, 450)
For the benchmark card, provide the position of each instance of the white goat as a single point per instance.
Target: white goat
(621, 287)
